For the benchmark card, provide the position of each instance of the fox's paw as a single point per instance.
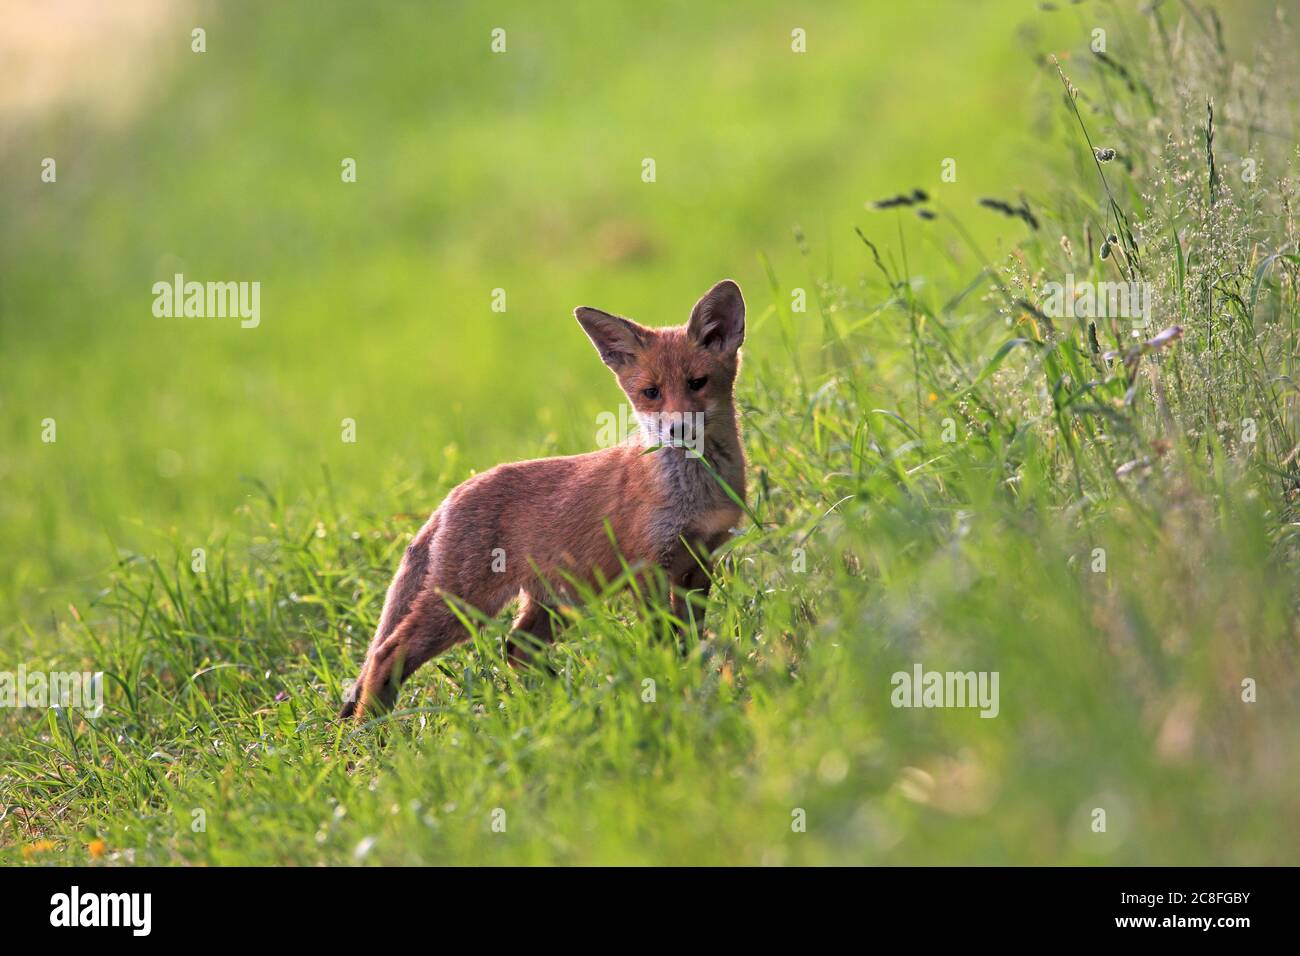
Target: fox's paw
(350, 697)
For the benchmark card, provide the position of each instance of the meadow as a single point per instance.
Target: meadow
(946, 471)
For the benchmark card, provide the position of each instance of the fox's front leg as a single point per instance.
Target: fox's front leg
(690, 574)
(690, 592)
(534, 627)
(688, 587)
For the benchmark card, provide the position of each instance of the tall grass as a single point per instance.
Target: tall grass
(954, 477)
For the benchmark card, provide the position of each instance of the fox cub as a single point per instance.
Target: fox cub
(529, 529)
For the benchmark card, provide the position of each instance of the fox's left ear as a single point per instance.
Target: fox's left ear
(718, 319)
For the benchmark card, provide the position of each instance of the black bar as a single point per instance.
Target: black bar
(335, 907)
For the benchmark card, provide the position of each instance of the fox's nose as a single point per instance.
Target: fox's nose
(683, 427)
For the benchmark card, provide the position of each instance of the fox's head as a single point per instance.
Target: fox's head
(679, 378)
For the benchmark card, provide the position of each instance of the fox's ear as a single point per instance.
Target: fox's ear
(617, 339)
(718, 319)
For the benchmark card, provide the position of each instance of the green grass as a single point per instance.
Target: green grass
(936, 471)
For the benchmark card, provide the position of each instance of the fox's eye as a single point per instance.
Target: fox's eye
(651, 393)
(695, 384)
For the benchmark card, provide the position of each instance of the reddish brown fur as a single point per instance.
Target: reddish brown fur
(549, 516)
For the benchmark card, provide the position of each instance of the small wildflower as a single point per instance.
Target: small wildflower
(40, 846)
(363, 848)
(96, 848)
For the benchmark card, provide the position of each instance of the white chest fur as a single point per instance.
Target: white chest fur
(696, 503)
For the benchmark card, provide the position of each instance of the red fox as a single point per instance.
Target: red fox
(529, 529)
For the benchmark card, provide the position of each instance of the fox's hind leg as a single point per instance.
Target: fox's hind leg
(406, 586)
(430, 628)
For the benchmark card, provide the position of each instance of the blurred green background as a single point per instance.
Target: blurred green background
(475, 171)
(522, 171)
